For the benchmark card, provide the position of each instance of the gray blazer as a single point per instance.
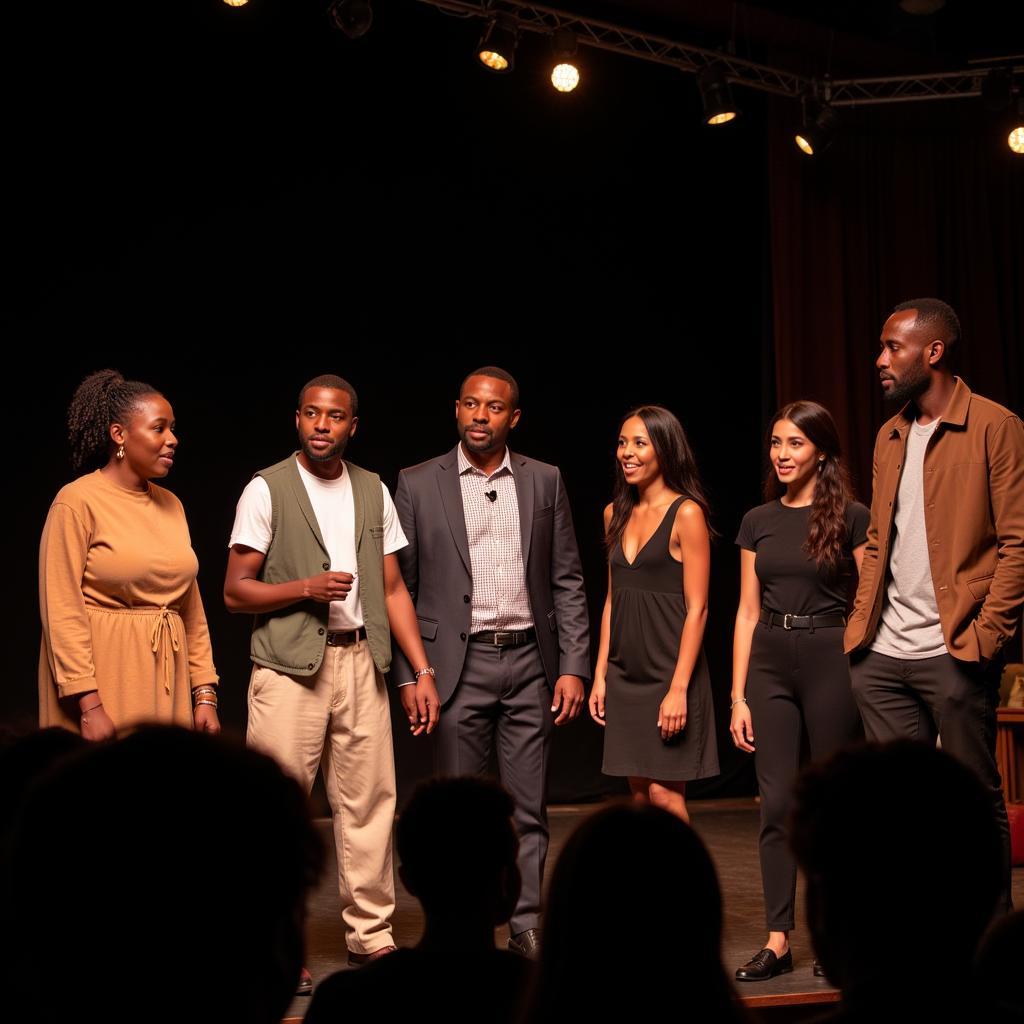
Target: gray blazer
(436, 568)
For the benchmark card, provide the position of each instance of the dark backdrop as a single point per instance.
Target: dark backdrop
(226, 206)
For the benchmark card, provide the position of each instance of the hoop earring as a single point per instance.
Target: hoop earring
(120, 453)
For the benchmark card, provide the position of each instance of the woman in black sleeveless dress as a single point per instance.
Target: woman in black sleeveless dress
(799, 560)
(652, 690)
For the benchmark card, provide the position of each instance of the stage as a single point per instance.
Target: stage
(728, 827)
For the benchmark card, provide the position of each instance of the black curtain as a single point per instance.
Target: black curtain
(911, 201)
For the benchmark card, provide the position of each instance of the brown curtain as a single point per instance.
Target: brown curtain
(912, 200)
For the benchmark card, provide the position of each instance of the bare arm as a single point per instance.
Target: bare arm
(695, 546)
(421, 702)
(858, 557)
(244, 591)
(597, 691)
(747, 614)
(867, 562)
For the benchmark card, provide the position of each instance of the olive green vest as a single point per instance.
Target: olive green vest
(292, 639)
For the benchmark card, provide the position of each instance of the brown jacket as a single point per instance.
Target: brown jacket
(974, 522)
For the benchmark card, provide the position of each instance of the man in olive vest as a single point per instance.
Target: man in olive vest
(312, 556)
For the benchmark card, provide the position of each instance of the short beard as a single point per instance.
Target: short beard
(908, 389)
(476, 446)
(335, 451)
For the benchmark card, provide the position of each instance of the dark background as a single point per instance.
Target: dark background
(226, 203)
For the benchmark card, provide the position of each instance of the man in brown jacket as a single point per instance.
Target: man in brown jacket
(943, 574)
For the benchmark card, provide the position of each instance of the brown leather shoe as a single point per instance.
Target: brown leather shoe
(305, 985)
(359, 959)
(526, 943)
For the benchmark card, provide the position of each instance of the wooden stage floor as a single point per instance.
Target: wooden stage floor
(728, 827)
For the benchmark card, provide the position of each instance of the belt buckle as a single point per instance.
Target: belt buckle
(499, 637)
(787, 621)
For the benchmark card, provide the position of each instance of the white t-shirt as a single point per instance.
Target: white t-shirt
(335, 515)
(909, 627)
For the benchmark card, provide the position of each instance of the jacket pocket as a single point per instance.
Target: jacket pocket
(428, 628)
(979, 586)
(547, 510)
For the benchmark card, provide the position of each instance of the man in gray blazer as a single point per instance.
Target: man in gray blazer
(494, 572)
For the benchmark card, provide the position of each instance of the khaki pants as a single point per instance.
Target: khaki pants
(340, 718)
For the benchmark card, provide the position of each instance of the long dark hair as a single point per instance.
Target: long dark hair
(104, 397)
(826, 532)
(677, 464)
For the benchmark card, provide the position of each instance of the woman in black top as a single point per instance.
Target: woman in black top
(790, 674)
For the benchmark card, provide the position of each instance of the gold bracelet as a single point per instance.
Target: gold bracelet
(206, 703)
(204, 689)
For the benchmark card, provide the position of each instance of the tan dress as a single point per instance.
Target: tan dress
(120, 606)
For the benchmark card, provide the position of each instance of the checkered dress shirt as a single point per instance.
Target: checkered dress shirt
(500, 600)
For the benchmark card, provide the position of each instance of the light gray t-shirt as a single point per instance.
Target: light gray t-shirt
(909, 627)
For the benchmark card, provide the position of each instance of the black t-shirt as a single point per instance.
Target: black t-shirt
(790, 579)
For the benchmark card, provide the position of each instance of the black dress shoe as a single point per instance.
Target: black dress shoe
(819, 971)
(526, 943)
(765, 965)
(305, 985)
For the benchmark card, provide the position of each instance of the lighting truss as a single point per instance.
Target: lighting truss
(603, 35)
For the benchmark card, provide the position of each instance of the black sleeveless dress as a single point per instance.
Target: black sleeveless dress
(648, 612)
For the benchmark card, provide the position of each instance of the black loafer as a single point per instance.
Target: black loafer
(765, 965)
(819, 971)
(305, 985)
(526, 943)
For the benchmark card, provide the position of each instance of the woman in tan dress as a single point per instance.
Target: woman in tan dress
(124, 632)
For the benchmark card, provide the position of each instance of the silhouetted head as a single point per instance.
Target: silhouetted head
(26, 759)
(163, 877)
(635, 880)
(1000, 958)
(902, 857)
(457, 846)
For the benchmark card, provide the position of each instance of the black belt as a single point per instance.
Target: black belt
(811, 622)
(344, 637)
(505, 638)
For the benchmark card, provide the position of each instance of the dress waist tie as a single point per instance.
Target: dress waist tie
(166, 641)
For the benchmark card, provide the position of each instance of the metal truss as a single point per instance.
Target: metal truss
(603, 35)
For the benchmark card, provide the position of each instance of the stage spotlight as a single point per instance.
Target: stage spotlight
(236, 3)
(565, 75)
(818, 128)
(497, 49)
(1015, 140)
(353, 17)
(716, 95)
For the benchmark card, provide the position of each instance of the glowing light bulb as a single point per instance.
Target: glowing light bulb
(565, 77)
(1015, 140)
(804, 144)
(494, 60)
(236, 3)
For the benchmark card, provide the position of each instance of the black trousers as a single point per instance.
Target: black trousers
(798, 681)
(939, 697)
(503, 699)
